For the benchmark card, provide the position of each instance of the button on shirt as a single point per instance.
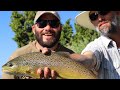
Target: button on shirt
(108, 57)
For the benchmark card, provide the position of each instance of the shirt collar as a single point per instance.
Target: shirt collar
(107, 41)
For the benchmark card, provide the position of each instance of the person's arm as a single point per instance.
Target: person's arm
(87, 58)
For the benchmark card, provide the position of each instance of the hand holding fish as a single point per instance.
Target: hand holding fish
(46, 51)
(47, 73)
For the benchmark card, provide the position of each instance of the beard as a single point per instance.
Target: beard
(106, 32)
(113, 27)
(52, 42)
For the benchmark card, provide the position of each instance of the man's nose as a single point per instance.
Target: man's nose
(100, 17)
(48, 27)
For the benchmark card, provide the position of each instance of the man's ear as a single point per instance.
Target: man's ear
(33, 29)
(61, 27)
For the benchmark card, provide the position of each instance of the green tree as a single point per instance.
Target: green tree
(82, 37)
(21, 23)
(66, 34)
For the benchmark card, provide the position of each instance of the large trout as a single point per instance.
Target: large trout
(66, 68)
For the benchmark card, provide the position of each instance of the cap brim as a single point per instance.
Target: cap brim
(44, 12)
(82, 19)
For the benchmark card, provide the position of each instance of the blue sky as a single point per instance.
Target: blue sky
(8, 45)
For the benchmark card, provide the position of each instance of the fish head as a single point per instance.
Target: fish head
(9, 67)
(14, 68)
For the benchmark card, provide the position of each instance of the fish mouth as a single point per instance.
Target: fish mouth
(5, 71)
(17, 74)
(8, 72)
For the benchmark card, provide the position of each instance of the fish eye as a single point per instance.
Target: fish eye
(10, 64)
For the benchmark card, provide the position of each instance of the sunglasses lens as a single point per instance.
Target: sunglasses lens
(52, 23)
(41, 23)
(93, 16)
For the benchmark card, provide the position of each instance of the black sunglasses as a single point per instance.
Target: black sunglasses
(52, 23)
(94, 16)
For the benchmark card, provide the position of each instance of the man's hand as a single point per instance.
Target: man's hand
(46, 51)
(47, 73)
